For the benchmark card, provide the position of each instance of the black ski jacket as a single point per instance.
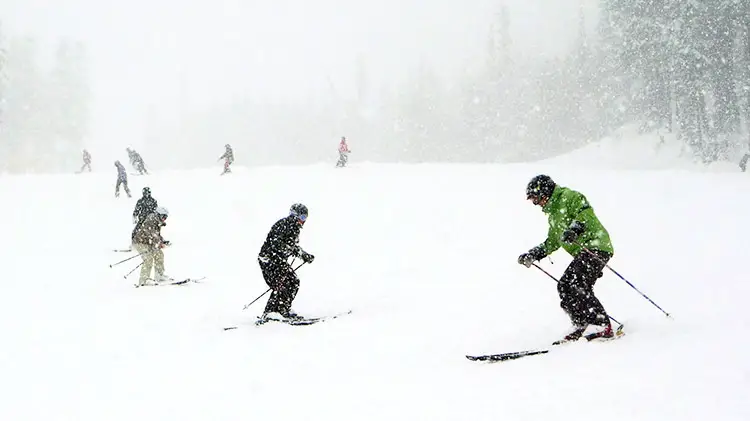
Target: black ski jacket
(282, 241)
(143, 207)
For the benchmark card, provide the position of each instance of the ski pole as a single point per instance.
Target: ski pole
(129, 258)
(626, 281)
(251, 302)
(128, 274)
(555, 279)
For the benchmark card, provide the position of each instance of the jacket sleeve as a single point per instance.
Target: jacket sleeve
(551, 244)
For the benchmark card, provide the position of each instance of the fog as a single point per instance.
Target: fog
(282, 81)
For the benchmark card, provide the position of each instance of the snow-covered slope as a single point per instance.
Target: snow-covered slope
(424, 255)
(628, 150)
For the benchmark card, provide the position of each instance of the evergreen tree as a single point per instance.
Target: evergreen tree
(69, 103)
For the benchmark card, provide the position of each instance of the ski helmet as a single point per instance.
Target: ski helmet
(147, 191)
(161, 210)
(540, 187)
(299, 210)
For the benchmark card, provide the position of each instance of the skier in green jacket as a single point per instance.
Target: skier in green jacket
(574, 226)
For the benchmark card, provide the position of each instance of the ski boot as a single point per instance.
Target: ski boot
(573, 335)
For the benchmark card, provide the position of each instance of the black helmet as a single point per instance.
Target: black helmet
(299, 210)
(540, 187)
(147, 191)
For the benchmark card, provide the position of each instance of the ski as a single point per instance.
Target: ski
(306, 321)
(520, 354)
(175, 282)
(507, 356)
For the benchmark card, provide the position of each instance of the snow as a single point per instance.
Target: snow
(629, 150)
(424, 255)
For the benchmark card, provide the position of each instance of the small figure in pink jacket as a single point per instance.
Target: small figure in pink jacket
(343, 153)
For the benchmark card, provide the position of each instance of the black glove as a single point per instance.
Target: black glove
(526, 259)
(307, 257)
(571, 234)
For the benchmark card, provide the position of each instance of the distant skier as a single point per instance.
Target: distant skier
(281, 243)
(573, 225)
(86, 161)
(144, 206)
(136, 161)
(147, 240)
(122, 178)
(343, 153)
(228, 158)
(743, 162)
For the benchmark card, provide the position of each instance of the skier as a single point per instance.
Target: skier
(147, 240)
(144, 206)
(574, 226)
(281, 243)
(86, 161)
(136, 161)
(743, 162)
(228, 158)
(122, 178)
(343, 153)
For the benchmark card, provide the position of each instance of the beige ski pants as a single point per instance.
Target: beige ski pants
(152, 258)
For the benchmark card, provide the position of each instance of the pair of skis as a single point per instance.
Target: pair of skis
(175, 282)
(304, 321)
(492, 358)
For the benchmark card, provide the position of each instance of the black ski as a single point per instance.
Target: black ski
(507, 356)
(520, 354)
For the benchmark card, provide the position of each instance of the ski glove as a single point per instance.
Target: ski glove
(526, 259)
(571, 234)
(307, 257)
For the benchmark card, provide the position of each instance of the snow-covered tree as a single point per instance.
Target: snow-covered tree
(69, 98)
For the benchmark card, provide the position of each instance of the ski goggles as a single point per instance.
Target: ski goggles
(302, 218)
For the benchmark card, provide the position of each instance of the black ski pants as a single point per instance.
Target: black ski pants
(576, 288)
(284, 284)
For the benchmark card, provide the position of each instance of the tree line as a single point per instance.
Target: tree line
(44, 110)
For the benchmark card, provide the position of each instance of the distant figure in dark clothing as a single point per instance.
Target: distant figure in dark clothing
(228, 158)
(122, 178)
(136, 161)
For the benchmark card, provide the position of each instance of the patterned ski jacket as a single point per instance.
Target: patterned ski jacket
(144, 206)
(148, 231)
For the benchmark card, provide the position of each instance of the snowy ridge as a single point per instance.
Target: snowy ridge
(424, 255)
(627, 150)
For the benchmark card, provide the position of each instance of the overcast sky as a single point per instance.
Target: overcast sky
(151, 57)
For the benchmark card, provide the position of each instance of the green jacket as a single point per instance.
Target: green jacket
(564, 207)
